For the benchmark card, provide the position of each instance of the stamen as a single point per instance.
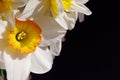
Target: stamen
(21, 36)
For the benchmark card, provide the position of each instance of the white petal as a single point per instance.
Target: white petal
(17, 68)
(42, 60)
(10, 18)
(81, 17)
(60, 20)
(71, 19)
(60, 6)
(2, 65)
(81, 8)
(3, 25)
(3, 45)
(10, 21)
(29, 9)
(19, 3)
(44, 8)
(81, 1)
(55, 47)
(54, 44)
(50, 28)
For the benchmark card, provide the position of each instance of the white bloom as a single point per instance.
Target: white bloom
(72, 8)
(15, 46)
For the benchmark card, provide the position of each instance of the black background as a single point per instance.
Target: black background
(91, 50)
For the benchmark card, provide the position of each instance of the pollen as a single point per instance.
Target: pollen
(25, 37)
(21, 36)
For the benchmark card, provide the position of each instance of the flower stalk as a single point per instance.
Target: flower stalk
(2, 74)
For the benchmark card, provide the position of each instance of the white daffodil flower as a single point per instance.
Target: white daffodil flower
(52, 31)
(24, 50)
(72, 8)
(7, 7)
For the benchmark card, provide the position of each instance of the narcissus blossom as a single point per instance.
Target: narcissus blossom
(72, 8)
(31, 46)
(23, 49)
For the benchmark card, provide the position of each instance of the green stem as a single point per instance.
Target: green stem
(2, 74)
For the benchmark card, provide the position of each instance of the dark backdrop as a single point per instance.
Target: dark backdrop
(91, 50)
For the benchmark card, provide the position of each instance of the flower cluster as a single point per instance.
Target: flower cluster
(31, 33)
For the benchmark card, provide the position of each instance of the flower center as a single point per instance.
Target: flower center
(25, 37)
(67, 4)
(21, 36)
